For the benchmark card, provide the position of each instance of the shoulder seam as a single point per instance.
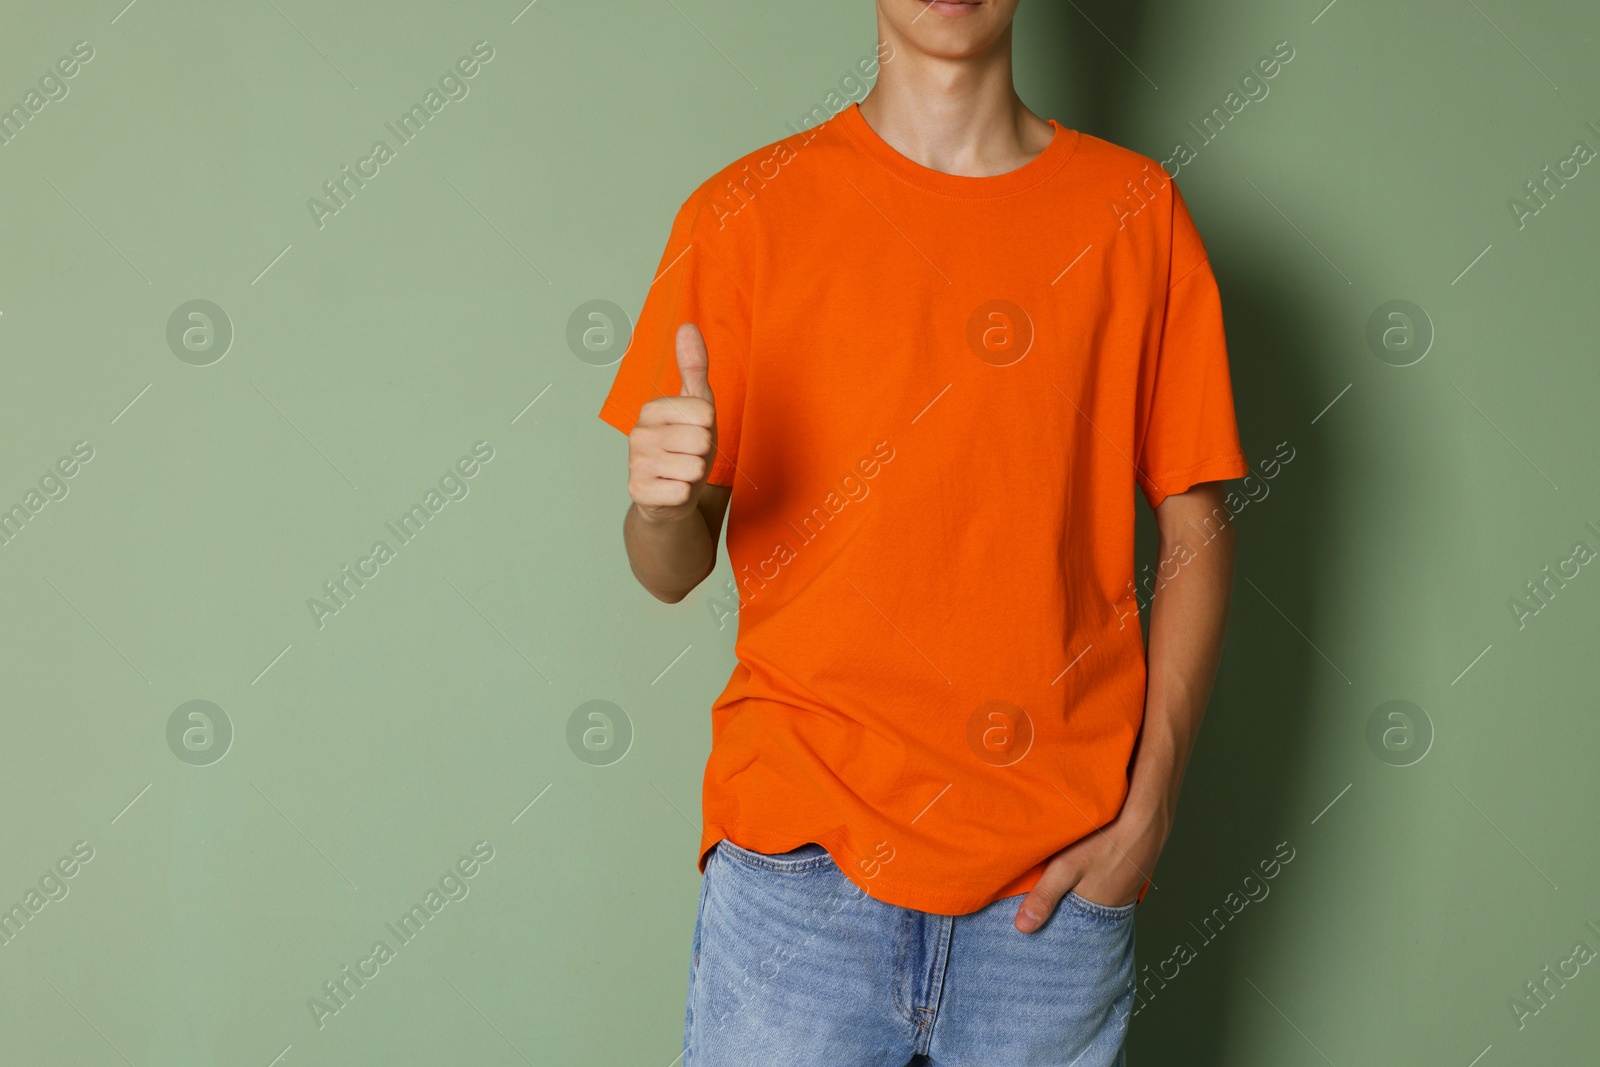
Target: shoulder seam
(729, 275)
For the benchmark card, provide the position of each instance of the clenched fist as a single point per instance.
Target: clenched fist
(670, 450)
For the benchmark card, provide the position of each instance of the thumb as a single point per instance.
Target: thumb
(1042, 900)
(693, 362)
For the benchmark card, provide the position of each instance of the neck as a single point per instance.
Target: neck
(958, 115)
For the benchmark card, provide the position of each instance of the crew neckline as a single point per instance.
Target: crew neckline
(1062, 144)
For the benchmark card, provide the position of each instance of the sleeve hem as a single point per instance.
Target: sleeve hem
(616, 415)
(1217, 468)
(722, 472)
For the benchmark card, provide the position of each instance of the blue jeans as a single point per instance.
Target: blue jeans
(795, 966)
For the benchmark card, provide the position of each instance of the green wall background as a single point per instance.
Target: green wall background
(432, 712)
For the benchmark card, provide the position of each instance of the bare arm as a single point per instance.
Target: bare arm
(1188, 618)
(672, 556)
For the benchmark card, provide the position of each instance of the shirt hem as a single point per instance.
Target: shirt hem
(833, 841)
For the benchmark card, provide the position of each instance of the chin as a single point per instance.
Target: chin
(951, 28)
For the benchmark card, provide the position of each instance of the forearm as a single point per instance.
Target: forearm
(1188, 617)
(669, 556)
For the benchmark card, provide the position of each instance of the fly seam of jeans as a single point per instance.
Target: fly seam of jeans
(899, 996)
(941, 961)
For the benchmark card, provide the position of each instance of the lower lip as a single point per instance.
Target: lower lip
(951, 10)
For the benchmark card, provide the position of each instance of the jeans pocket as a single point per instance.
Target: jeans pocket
(808, 857)
(1105, 912)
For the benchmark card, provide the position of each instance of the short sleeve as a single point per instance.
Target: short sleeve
(1186, 428)
(690, 285)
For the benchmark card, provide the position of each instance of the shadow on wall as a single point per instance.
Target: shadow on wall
(1233, 814)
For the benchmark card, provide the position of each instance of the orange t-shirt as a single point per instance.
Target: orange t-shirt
(935, 395)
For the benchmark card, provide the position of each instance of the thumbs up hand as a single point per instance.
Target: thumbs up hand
(670, 449)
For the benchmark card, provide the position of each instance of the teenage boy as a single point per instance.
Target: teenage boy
(921, 355)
